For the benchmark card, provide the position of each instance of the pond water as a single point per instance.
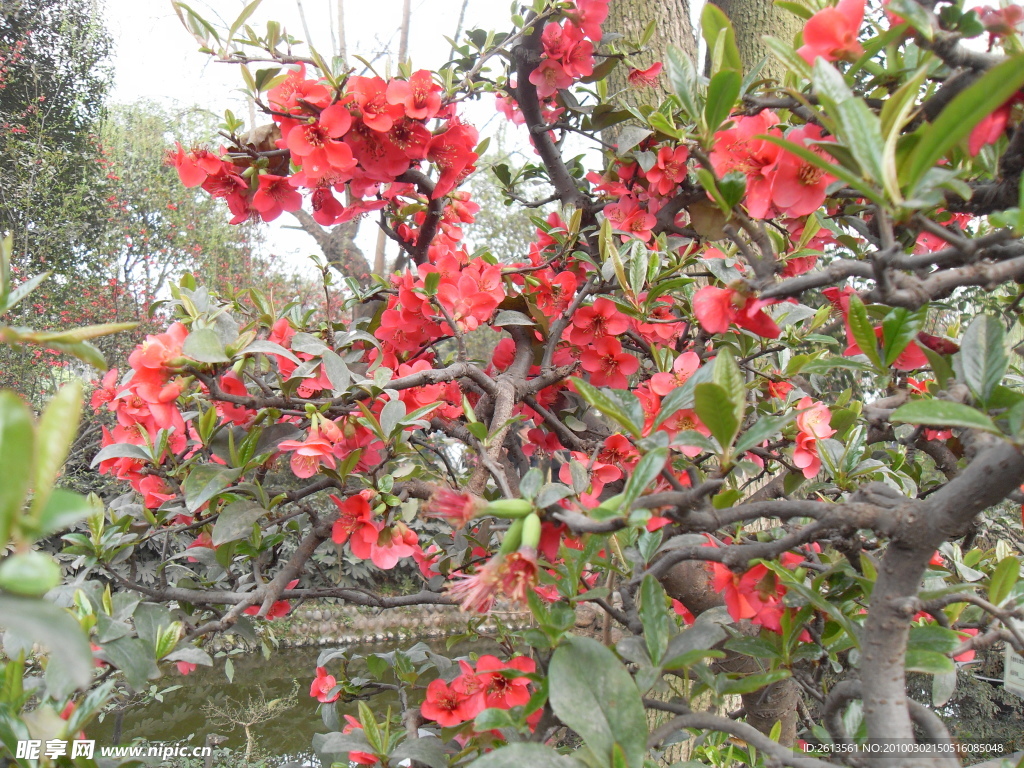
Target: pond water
(180, 717)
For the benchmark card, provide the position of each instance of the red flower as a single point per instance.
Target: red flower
(420, 96)
(457, 508)
(452, 152)
(683, 612)
(607, 364)
(354, 515)
(370, 93)
(669, 169)
(717, 308)
(798, 188)
(322, 686)
(550, 77)
(478, 591)
(384, 547)
(185, 667)
(599, 320)
(966, 655)
(309, 454)
(446, 706)
(275, 195)
(520, 574)
(501, 691)
(684, 367)
(832, 32)
(645, 78)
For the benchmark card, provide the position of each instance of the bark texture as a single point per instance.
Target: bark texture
(630, 18)
(752, 20)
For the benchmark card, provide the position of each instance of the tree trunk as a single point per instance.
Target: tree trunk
(630, 18)
(752, 20)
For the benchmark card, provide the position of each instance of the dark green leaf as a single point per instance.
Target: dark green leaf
(939, 413)
(961, 115)
(205, 346)
(206, 481)
(1003, 579)
(657, 623)
(714, 406)
(983, 356)
(427, 750)
(604, 709)
(37, 621)
(899, 328)
(17, 438)
(723, 91)
(714, 24)
(863, 331)
(627, 414)
(524, 755)
(761, 430)
(647, 469)
(57, 429)
(683, 77)
(236, 521)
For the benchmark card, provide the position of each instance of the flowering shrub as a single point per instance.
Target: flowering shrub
(667, 375)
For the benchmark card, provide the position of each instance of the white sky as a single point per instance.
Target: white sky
(157, 58)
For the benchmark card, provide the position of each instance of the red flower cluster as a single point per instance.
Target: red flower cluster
(474, 690)
(756, 594)
(370, 539)
(813, 423)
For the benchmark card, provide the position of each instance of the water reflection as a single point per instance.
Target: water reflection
(180, 719)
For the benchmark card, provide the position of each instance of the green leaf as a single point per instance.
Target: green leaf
(727, 375)
(521, 755)
(63, 509)
(707, 631)
(70, 663)
(236, 521)
(119, 451)
(723, 91)
(682, 397)
(1004, 577)
(899, 328)
(915, 15)
(961, 115)
(863, 331)
(714, 24)
(592, 693)
(761, 430)
(205, 346)
(983, 356)
(333, 748)
(511, 317)
(658, 625)
(391, 416)
(683, 77)
(269, 348)
(939, 413)
(715, 409)
(840, 172)
(427, 750)
(205, 482)
(629, 418)
(752, 683)
(861, 132)
(17, 438)
(58, 427)
(647, 469)
(785, 53)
